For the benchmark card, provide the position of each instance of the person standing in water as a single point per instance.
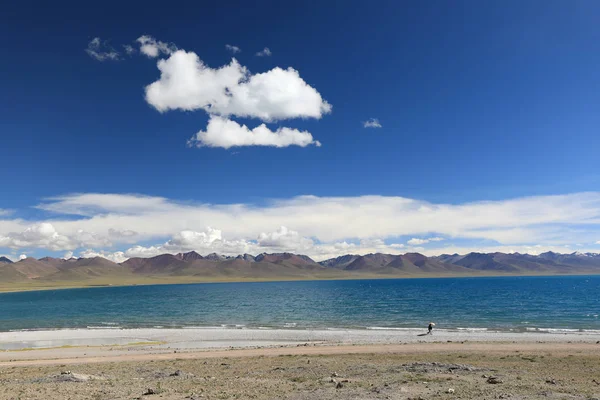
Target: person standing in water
(430, 328)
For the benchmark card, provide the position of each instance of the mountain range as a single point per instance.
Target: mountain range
(193, 267)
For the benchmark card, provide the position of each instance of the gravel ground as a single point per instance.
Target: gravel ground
(412, 371)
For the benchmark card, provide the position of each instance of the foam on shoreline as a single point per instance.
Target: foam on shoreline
(209, 338)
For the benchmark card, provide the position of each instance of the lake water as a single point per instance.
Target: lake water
(506, 303)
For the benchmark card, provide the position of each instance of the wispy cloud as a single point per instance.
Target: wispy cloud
(372, 123)
(264, 52)
(418, 242)
(153, 48)
(101, 50)
(233, 49)
(129, 49)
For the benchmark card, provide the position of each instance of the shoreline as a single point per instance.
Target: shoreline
(92, 285)
(77, 343)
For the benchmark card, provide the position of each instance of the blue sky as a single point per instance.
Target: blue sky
(477, 102)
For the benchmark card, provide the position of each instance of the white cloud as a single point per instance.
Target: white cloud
(22, 256)
(372, 123)
(123, 235)
(68, 255)
(598, 242)
(523, 220)
(264, 52)
(284, 239)
(129, 49)
(233, 49)
(335, 224)
(94, 204)
(222, 132)
(186, 83)
(417, 241)
(82, 238)
(101, 50)
(117, 257)
(206, 242)
(154, 48)
(44, 235)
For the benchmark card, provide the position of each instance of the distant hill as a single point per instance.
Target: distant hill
(193, 267)
(339, 262)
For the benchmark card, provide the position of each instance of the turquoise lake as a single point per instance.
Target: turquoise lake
(506, 303)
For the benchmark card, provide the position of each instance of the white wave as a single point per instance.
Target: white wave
(384, 328)
(103, 327)
(473, 329)
(233, 326)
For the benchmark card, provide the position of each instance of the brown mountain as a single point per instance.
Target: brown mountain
(162, 264)
(339, 262)
(33, 269)
(419, 264)
(410, 264)
(191, 256)
(193, 267)
(9, 274)
(370, 262)
(5, 260)
(282, 258)
(84, 269)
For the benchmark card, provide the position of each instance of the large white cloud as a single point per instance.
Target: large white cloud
(281, 240)
(337, 218)
(205, 242)
(550, 221)
(44, 235)
(222, 132)
(208, 241)
(186, 83)
(117, 256)
(285, 239)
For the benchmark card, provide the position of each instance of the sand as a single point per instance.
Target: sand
(221, 363)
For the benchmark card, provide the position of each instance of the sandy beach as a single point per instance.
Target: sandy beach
(298, 364)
